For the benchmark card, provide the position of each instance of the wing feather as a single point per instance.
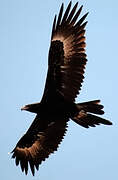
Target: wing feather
(60, 15)
(72, 13)
(66, 13)
(54, 25)
(76, 16)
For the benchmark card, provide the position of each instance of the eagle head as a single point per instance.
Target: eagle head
(34, 108)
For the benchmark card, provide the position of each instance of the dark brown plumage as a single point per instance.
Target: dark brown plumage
(66, 65)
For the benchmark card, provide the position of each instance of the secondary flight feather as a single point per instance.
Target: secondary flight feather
(66, 65)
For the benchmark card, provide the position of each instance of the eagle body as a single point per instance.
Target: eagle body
(66, 66)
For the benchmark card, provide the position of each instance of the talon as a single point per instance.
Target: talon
(82, 114)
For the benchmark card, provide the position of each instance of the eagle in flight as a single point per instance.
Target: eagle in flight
(66, 65)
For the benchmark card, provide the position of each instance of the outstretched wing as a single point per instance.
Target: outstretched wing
(38, 143)
(67, 58)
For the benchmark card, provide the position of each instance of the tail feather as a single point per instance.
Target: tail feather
(92, 106)
(91, 120)
(84, 116)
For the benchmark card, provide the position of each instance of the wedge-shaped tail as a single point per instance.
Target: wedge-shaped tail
(86, 119)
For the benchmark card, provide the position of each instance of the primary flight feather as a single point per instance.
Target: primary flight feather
(66, 65)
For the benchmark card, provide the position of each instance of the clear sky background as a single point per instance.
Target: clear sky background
(25, 29)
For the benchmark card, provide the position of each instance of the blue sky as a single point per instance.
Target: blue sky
(25, 29)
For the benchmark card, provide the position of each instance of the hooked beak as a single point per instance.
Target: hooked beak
(24, 108)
